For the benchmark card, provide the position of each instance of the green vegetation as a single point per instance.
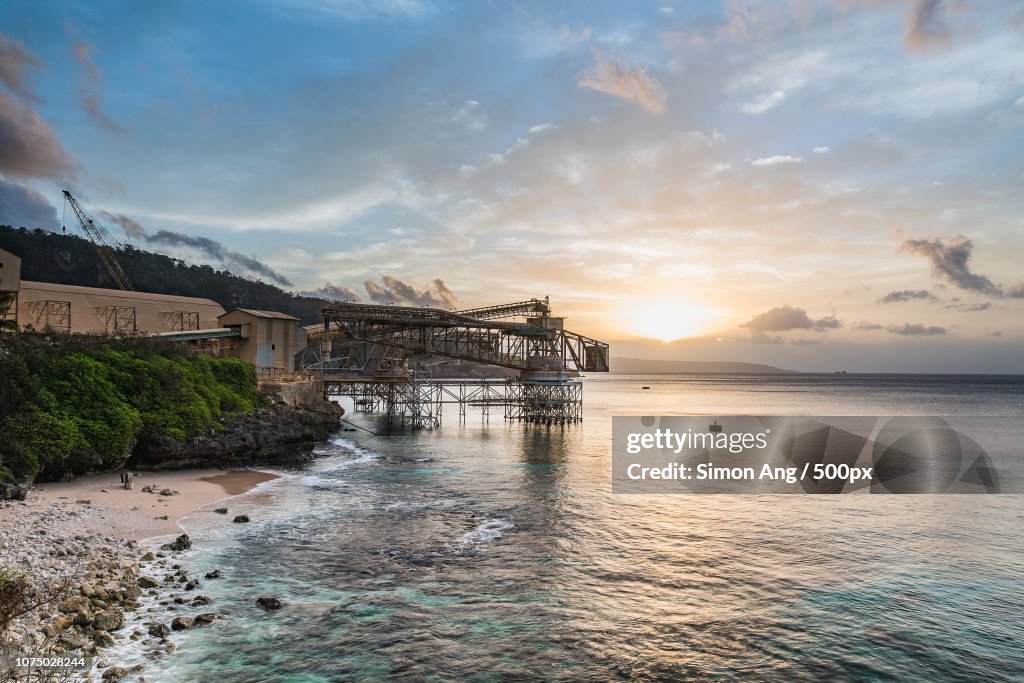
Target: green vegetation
(70, 260)
(75, 403)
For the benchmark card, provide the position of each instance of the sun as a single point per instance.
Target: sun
(668, 320)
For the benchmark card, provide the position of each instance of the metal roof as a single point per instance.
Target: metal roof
(264, 314)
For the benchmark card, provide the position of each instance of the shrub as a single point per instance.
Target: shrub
(63, 395)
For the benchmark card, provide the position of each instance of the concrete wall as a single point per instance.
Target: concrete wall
(269, 340)
(69, 308)
(10, 272)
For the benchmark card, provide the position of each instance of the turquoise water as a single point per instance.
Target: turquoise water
(486, 552)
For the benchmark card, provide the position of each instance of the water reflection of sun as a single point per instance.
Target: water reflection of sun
(668, 320)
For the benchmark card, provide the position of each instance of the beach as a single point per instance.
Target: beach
(135, 514)
(96, 548)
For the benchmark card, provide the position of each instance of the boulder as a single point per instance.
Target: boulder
(109, 619)
(221, 511)
(215, 574)
(269, 603)
(13, 491)
(200, 600)
(158, 630)
(115, 673)
(103, 639)
(148, 582)
(181, 623)
(148, 557)
(180, 543)
(206, 618)
(240, 519)
(75, 603)
(168, 492)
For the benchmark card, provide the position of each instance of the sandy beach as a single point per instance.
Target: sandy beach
(137, 515)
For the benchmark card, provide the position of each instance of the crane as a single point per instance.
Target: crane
(95, 231)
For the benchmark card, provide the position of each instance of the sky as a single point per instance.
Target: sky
(818, 185)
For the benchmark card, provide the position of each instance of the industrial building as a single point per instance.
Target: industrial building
(10, 286)
(44, 306)
(267, 339)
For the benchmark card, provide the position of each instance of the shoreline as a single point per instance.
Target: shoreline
(138, 515)
(122, 588)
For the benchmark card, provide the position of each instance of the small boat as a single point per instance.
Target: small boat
(645, 387)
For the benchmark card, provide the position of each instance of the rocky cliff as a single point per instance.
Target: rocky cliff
(280, 435)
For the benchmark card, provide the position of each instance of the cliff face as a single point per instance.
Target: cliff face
(281, 435)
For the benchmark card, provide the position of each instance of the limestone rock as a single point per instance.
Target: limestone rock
(180, 543)
(181, 623)
(269, 603)
(158, 630)
(109, 619)
(148, 582)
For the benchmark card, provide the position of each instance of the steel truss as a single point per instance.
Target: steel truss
(377, 355)
(51, 314)
(117, 318)
(420, 402)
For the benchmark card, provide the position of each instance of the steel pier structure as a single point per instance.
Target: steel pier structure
(383, 358)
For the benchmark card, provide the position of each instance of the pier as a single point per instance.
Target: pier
(386, 359)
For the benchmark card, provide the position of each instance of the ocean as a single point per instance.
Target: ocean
(496, 551)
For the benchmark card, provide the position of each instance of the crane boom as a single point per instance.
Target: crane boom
(94, 231)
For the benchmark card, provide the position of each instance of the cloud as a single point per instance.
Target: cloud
(633, 85)
(1009, 116)
(925, 29)
(820, 150)
(760, 105)
(332, 292)
(783, 318)
(906, 295)
(28, 146)
(949, 261)
(970, 308)
(866, 326)
(359, 10)
(211, 248)
(916, 330)
(22, 206)
(91, 91)
(778, 160)
(762, 338)
(131, 227)
(394, 291)
(470, 116)
(14, 60)
(217, 251)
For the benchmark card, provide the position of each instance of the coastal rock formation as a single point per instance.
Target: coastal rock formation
(180, 543)
(158, 630)
(240, 519)
(269, 603)
(109, 619)
(279, 435)
(13, 491)
(181, 623)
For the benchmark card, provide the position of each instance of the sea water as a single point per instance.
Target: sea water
(496, 551)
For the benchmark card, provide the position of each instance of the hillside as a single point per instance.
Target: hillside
(637, 366)
(71, 260)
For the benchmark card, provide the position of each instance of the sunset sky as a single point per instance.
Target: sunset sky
(816, 185)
